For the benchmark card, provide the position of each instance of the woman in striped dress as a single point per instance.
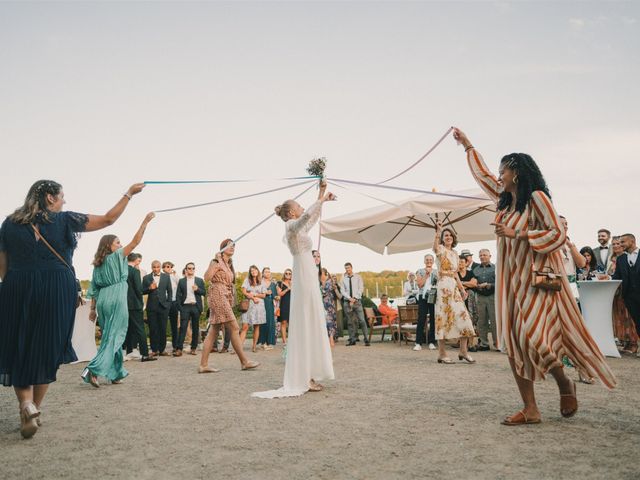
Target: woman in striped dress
(537, 326)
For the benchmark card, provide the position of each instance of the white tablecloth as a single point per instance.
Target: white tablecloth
(596, 300)
(84, 335)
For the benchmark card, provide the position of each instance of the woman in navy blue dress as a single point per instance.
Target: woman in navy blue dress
(39, 292)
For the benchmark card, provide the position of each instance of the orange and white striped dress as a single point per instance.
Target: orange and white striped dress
(538, 326)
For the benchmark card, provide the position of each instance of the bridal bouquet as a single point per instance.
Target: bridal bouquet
(316, 167)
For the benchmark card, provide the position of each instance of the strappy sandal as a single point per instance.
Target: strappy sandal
(445, 360)
(29, 414)
(569, 403)
(466, 358)
(315, 387)
(519, 418)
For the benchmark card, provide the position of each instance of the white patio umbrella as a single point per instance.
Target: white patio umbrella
(409, 225)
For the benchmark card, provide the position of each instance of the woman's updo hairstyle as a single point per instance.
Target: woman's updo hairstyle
(284, 210)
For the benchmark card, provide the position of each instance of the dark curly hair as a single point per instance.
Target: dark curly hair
(529, 179)
(593, 263)
(104, 249)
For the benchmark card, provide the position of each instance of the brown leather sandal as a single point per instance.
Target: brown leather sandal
(519, 418)
(569, 403)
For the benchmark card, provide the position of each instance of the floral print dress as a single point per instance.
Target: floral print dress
(452, 317)
(329, 301)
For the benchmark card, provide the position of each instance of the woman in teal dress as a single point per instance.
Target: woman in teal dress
(108, 295)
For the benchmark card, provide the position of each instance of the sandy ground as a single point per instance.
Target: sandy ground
(390, 413)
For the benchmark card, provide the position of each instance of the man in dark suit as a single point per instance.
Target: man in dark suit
(603, 251)
(628, 270)
(157, 286)
(136, 336)
(189, 300)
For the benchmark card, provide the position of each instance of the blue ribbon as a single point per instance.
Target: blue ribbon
(177, 182)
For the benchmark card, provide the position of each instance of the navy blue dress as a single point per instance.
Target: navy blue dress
(37, 299)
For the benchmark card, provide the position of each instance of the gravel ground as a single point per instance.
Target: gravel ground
(390, 413)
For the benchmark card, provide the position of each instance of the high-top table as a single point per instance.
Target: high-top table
(596, 300)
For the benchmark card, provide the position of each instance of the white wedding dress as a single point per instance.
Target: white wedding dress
(308, 350)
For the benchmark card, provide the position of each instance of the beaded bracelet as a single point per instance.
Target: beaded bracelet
(468, 148)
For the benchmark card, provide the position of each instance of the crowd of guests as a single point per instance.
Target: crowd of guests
(178, 301)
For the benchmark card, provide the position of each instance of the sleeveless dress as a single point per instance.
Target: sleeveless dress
(537, 326)
(452, 317)
(308, 351)
(109, 287)
(38, 299)
(220, 295)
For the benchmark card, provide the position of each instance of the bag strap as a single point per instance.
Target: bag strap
(40, 237)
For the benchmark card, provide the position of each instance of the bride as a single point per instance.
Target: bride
(308, 352)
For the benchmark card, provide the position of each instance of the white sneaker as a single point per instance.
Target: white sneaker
(134, 355)
(417, 347)
(432, 346)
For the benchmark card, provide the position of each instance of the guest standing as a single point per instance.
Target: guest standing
(352, 289)
(329, 301)
(39, 292)
(157, 286)
(530, 236)
(284, 292)
(485, 274)
(603, 252)
(628, 270)
(221, 299)
(136, 336)
(452, 318)
(410, 288)
(174, 309)
(426, 296)
(256, 316)
(624, 328)
(108, 295)
(268, 331)
(190, 291)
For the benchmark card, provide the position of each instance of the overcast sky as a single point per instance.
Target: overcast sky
(100, 95)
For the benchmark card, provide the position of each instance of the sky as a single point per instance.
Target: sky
(99, 95)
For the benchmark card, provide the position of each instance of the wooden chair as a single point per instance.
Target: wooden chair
(375, 323)
(407, 322)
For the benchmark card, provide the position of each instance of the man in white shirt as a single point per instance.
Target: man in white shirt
(628, 270)
(603, 251)
(189, 295)
(352, 290)
(427, 280)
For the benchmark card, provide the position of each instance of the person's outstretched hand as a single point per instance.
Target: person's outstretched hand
(136, 188)
(461, 137)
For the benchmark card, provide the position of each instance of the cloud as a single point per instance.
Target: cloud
(577, 24)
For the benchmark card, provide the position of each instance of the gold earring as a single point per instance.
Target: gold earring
(515, 179)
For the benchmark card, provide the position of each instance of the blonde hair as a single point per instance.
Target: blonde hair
(36, 202)
(284, 210)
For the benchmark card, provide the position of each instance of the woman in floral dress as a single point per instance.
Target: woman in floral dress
(329, 300)
(255, 291)
(221, 300)
(452, 317)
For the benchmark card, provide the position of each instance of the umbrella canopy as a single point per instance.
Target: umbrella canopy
(409, 225)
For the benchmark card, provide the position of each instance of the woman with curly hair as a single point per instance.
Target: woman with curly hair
(108, 293)
(39, 291)
(538, 326)
(452, 319)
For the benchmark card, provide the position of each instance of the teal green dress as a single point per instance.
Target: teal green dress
(109, 288)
